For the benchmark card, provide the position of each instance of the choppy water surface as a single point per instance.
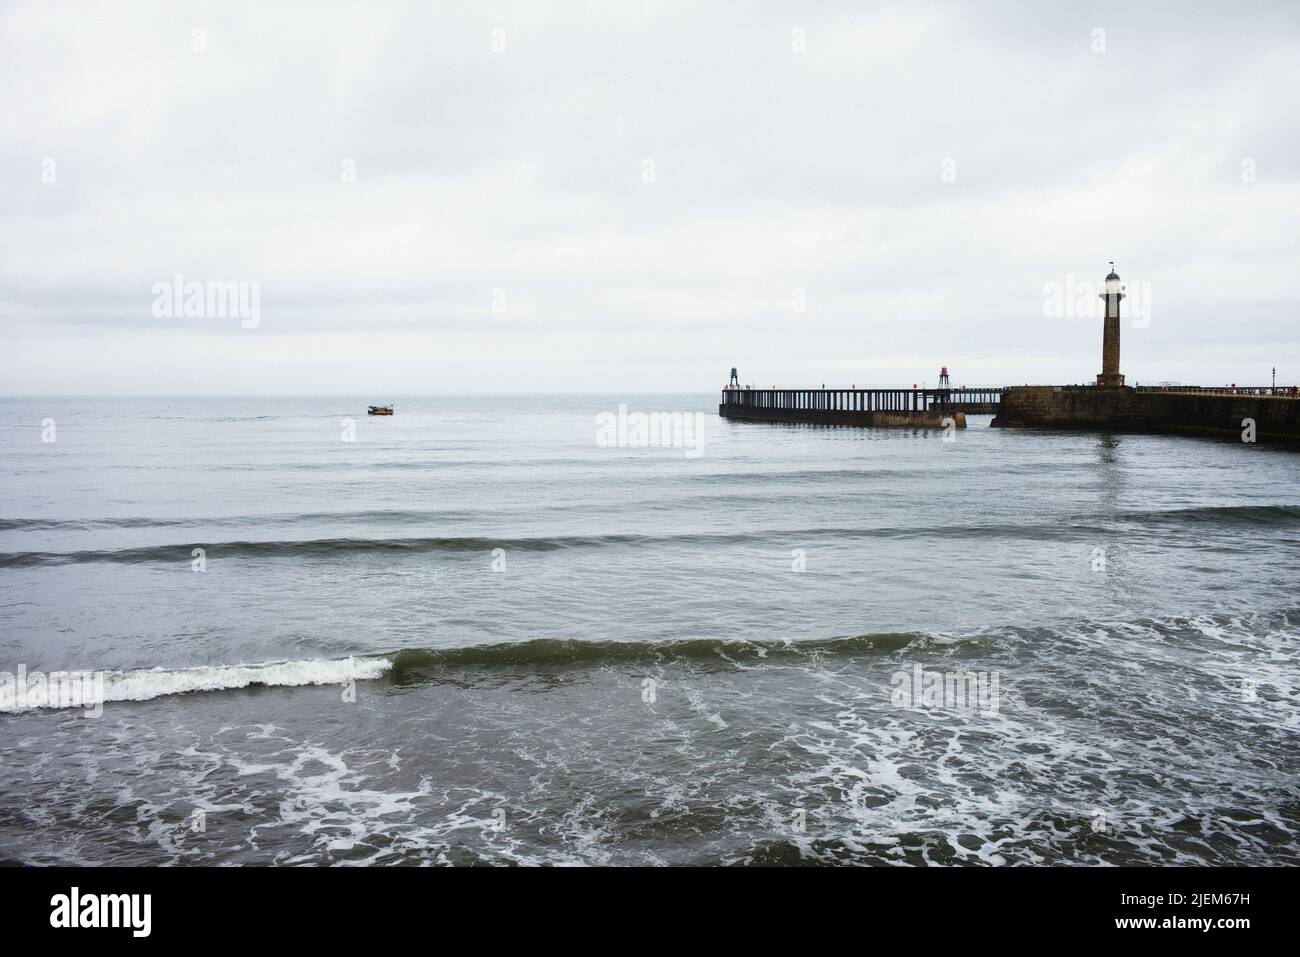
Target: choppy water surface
(474, 634)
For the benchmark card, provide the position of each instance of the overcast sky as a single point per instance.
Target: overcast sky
(571, 197)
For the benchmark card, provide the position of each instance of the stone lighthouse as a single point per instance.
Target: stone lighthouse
(1112, 294)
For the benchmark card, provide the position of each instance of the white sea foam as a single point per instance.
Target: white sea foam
(146, 684)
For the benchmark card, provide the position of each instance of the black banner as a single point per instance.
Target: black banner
(331, 906)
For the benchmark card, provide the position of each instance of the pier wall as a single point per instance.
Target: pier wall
(901, 419)
(1128, 410)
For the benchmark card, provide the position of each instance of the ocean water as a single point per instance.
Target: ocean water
(477, 634)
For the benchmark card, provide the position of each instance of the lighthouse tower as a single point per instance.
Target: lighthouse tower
(1112, 294)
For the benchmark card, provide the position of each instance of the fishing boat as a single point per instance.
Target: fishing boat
(380, 410)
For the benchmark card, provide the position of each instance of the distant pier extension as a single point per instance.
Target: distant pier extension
(885, 408)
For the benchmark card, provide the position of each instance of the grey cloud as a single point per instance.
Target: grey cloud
(523, 171)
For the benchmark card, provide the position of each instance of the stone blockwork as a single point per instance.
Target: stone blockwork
(1127, 410)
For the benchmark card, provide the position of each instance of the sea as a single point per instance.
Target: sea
(620, 630)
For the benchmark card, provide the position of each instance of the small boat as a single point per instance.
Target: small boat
(380, 410)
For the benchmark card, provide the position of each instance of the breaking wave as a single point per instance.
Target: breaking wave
(145, 684)
(411, 664)
(414, 665)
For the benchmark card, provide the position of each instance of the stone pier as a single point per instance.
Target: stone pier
(1125, 409)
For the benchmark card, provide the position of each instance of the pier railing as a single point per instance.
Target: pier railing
(1289, 391)
(863, 400)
